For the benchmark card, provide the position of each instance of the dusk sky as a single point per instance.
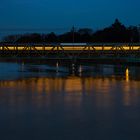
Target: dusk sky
(52, 14)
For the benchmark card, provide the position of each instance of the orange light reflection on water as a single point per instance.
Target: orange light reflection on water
(72, 89)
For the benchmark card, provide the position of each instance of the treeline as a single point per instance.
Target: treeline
(117, 32)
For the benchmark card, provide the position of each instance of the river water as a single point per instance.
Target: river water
(49, 102)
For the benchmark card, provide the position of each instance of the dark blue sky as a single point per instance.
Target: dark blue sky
(66, 13)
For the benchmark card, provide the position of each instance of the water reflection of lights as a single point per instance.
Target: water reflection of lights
(130, 93)
(73, 69)
(127, 74)
(72, 90)
(80, 70)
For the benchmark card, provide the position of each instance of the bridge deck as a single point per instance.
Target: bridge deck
(72, 50)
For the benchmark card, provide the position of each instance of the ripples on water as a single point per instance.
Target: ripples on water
(57, 102)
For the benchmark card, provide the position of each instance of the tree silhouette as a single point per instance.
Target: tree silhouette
(30, 38)
(51, 37)
(117, 32)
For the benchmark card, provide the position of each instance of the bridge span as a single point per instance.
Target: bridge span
(73, 51)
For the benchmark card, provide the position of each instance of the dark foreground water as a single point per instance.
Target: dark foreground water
(43, 102)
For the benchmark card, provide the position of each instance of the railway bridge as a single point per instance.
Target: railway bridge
(114, 52)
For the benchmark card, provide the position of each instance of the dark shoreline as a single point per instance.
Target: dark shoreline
(67, 61)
